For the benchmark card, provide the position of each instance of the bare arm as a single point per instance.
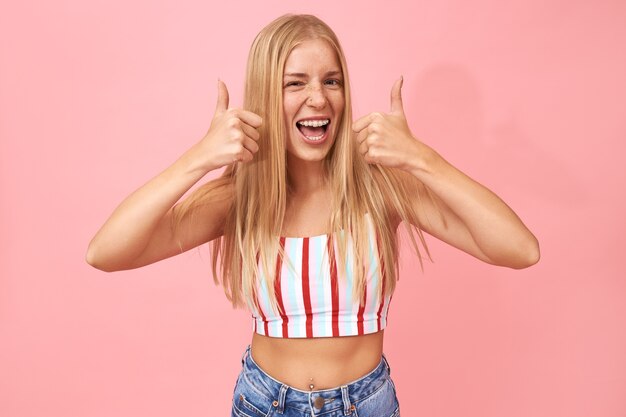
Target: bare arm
(139, 232)
(469, 216)
(463, 212)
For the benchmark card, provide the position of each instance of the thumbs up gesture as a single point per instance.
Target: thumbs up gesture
(232, 136)
(385, 138)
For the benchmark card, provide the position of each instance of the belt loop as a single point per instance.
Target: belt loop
(243, 357)
(281, 398)
(387, 364)
(347, 407)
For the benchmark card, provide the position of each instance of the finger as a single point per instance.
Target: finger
(247, 156)
(243, 156)
(363, 148)
(362, 136)
(250, 131)
(361, 123)
(222, 97)
(250, 118)
(250, 145)
(396, 97)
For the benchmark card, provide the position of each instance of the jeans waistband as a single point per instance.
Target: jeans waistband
(342, 396)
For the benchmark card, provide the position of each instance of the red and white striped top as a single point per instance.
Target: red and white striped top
(315, 296)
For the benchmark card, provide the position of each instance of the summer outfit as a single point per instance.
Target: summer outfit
(315, 300)
(315, 296)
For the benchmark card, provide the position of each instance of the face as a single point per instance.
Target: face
(313, 100)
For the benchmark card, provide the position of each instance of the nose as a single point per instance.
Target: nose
(317, 98)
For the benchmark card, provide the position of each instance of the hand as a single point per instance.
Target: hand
(232, 136)
(385, 138)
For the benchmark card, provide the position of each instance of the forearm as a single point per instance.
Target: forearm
(128, 230)
(497, 230)
(475, 219)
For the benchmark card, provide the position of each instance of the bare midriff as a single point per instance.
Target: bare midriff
(324, 362)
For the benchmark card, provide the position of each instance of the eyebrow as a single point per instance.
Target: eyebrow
(303, 75)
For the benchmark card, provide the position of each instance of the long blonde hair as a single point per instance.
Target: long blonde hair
(260, 188)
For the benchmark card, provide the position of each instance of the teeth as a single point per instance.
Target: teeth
(314, 123)
(314, 137)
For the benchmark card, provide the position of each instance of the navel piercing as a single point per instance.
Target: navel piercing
(311, 386)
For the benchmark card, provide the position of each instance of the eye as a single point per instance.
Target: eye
(333, 82)
(293, 84)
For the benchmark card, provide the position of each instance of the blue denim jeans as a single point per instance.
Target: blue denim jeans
(257, 394)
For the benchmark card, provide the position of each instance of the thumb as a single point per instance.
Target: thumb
(222, 96)
(396, 96)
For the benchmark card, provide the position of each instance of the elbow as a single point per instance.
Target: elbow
(519, 256)
(93, 259)
(535, 256)
(529, 256)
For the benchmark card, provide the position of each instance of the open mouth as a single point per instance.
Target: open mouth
(313, 130)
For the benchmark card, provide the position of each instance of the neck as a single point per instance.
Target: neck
(306, 177)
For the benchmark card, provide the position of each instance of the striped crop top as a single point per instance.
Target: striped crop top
(315, 296)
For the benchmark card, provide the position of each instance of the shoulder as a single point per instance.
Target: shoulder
(402, 192)
(217, 189)
(212, 200)
(394, 186)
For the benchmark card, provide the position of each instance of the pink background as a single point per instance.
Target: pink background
(528, 98)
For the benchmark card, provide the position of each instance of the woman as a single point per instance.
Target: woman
(303, 223)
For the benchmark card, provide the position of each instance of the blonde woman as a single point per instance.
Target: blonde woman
(303, 224)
